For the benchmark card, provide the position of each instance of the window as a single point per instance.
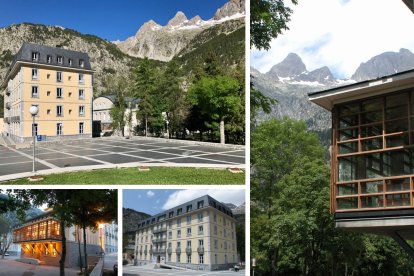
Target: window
(188, 244)
(225, 233)
(59, 111)
(178, 258)
(179, 211)
(188, 220)
(214, 218)
(215, 244)
(81, 94)
(59, 76)
(80, 128)
(59, 59)
(179, 222)
(34, 74)
(200, 216)
(200, 204)
(81, 79)
(201, 259)
(35, 92)
(200, 230)
(215, 229)
(59, 93)
(201, 243)
(170, 224)
(178, 233)
(70, 62)
(189, 232)
(49, 59)
(35, 56)
(82, 111)
(225, 245)
(178, 244)
(81, 63)
(170, 235)
(59, 129)
(189, 259)
(189, 208)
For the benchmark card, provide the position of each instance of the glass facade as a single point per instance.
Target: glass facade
(373, 152)
(43, 230)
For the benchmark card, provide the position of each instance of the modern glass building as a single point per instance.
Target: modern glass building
(372, 164)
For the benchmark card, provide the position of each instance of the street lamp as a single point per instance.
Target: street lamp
(34, 110)
(253, 264)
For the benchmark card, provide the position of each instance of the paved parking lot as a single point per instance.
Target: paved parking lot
(144, 271)
(114, 151)
(10, 267)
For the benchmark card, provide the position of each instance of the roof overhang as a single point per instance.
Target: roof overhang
(410, 4)
(328, 98)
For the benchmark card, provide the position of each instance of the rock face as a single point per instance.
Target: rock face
(164, 42)
(105, 57)
(130, 219)
(387, 63)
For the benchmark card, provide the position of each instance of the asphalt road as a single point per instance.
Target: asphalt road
(145, 271)
(109, 260)
(116, 151)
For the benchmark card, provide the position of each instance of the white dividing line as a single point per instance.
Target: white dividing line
(50, 165)
(79, 156)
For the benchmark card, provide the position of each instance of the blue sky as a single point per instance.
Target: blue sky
(340, 34)
(155, 201)
(107, 19)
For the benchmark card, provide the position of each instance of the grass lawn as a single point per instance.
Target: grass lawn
(156, 175)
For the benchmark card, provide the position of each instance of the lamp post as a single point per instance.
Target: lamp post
(253, 264)
(34, 110)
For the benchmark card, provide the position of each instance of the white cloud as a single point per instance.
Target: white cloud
(150, 193)
(236, 197)
(340, 34)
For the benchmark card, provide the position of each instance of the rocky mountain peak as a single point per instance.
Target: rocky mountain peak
(321, 75)
(387, 63)
(230, 8)
(291, 66)
(148, 26)
(177, 20)
(195, 20)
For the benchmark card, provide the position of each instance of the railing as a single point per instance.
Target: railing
(17, 239)
(169, 250)
(178, 250)
(200, 250)
(8, 105)
(145, 252)
(7, 120)
(159, 230)
(188, 250)
(15, 119)
(156, 240)
(160, 251)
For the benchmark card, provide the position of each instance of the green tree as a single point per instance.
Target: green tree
(268, 19)
(143, 88)
(117, 114)
(258, 102)
(5, 235)
(219, 98)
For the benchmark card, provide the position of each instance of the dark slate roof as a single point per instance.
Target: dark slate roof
(25, 54)
(208, 201)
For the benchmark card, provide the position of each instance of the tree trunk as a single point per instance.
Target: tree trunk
(63, 256)
(79, 248)
(84, 251)
(146, 126)
(222, 136)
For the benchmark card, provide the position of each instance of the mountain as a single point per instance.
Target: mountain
(130, 219)
(106, 58)
(164, 42)
(387, 63)
(289, 82)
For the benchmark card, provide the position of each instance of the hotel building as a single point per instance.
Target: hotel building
(372, 155)
(199, 235)
(59, 83)
(41, 238)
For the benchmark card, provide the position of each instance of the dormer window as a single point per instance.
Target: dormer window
(81, 63)
(49, 59)
(70, 62)
(35, 56)
(59, 59)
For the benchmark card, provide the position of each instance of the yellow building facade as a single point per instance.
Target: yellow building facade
(59, 83)
(199, 235)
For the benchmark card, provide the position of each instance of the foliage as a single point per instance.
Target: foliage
(157, 175)
(258, 101)
(268, 19)
(292, 230)
(5, 235)
(218, 98)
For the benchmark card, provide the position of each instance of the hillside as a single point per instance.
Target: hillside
(130, 219)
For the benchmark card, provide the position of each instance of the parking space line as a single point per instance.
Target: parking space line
(47, 164)
(79, 156)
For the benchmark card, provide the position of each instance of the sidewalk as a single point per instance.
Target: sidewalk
(10, 267)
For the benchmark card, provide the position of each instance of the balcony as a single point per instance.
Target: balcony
(145, 252)
(169, 251)
(151, 251)
(15, 119)
(200, 250)
(178, 250)
(188, 250)
(7, 120)
(140, 251)
(156, 240)
(8, 105)
(159, 230)
(8, 92)
(159, 251)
